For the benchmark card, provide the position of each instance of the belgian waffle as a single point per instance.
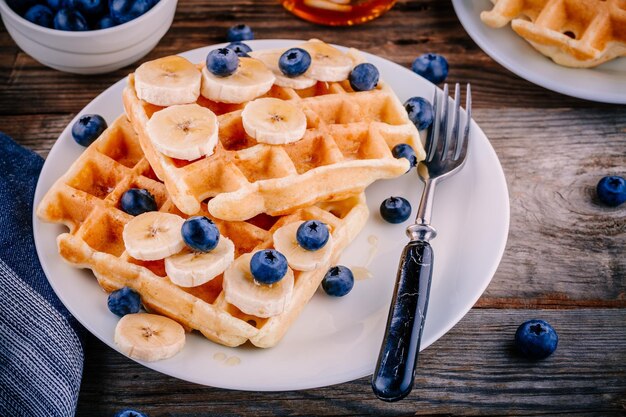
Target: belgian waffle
(86, 199)
(574, 33)
(347, 146)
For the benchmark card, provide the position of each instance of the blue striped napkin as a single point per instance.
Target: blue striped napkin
(41, 352)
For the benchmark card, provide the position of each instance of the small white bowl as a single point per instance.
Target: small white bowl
(94, 51)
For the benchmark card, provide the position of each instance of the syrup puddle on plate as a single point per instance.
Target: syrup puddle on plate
(229, 361)
(362, 272)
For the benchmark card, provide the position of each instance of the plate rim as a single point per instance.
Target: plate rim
(467, 19)
(296, 383)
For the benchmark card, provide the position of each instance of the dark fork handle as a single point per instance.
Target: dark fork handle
(395, 369)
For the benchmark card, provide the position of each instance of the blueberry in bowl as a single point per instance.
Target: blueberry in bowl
(90, 36)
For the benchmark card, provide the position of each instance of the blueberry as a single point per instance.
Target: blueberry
(240, 48)
(20, 6)
(124, 301)
(123, 11)
(105, 23)
(433, 67)
(88, 128)
(338, 281)
(40, 15)
(294, 62)
(268, 266)
(129, 413)
(136, 201)
(420, 112)
(395, 209)
(312, 235)
(403, 150)
(200, 233)
(536, 339)
(612, 190)
(71, 20)
(222, 62)
(91, 8)
(55, 4)
(239, 32)
(364, 77)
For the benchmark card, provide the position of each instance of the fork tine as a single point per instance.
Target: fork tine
(468, 111)
(430, 139)
(453, 143)
(442, 138)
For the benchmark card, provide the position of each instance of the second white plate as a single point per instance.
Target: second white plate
(605, 83)
(333, 340)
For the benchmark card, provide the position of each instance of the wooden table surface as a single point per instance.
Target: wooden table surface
(565, 260)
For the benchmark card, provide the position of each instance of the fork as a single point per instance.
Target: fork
(395, 368)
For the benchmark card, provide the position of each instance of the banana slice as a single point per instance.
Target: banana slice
(259, 300)
(270, 58)
(153, 235)
(168, 81)
(190, 269)
(327, 62)
(299, 258)
(273, 121)
(186, 131)
(251, 80)
(149, 337)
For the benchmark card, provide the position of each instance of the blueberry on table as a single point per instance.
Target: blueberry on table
(136, 201)
(40, 15)
(240, 48)
(268, 266)
(129, 413)
(88, 128)
(536, 339)
(420, 112)
(433, 67)
(123, 11)
(338, 281)
(124, 301)
(222, 62)
(200, 233)
(395, 209)
(364, 77)
(105, 23)
(612, 190)
(404, 150)
(312, 235)
(91, 8)
(239, 32)
(70, 20)
(294, 62)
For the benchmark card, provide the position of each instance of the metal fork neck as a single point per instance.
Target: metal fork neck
(422, 230)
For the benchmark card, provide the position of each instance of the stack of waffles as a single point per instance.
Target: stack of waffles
(574, 33)
(203, 146)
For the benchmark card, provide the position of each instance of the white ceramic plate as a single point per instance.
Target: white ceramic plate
(605, 83)
(335, 339)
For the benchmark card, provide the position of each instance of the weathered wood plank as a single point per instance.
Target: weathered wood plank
(472, 370)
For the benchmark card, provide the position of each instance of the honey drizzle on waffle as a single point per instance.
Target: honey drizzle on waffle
(86, 199)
